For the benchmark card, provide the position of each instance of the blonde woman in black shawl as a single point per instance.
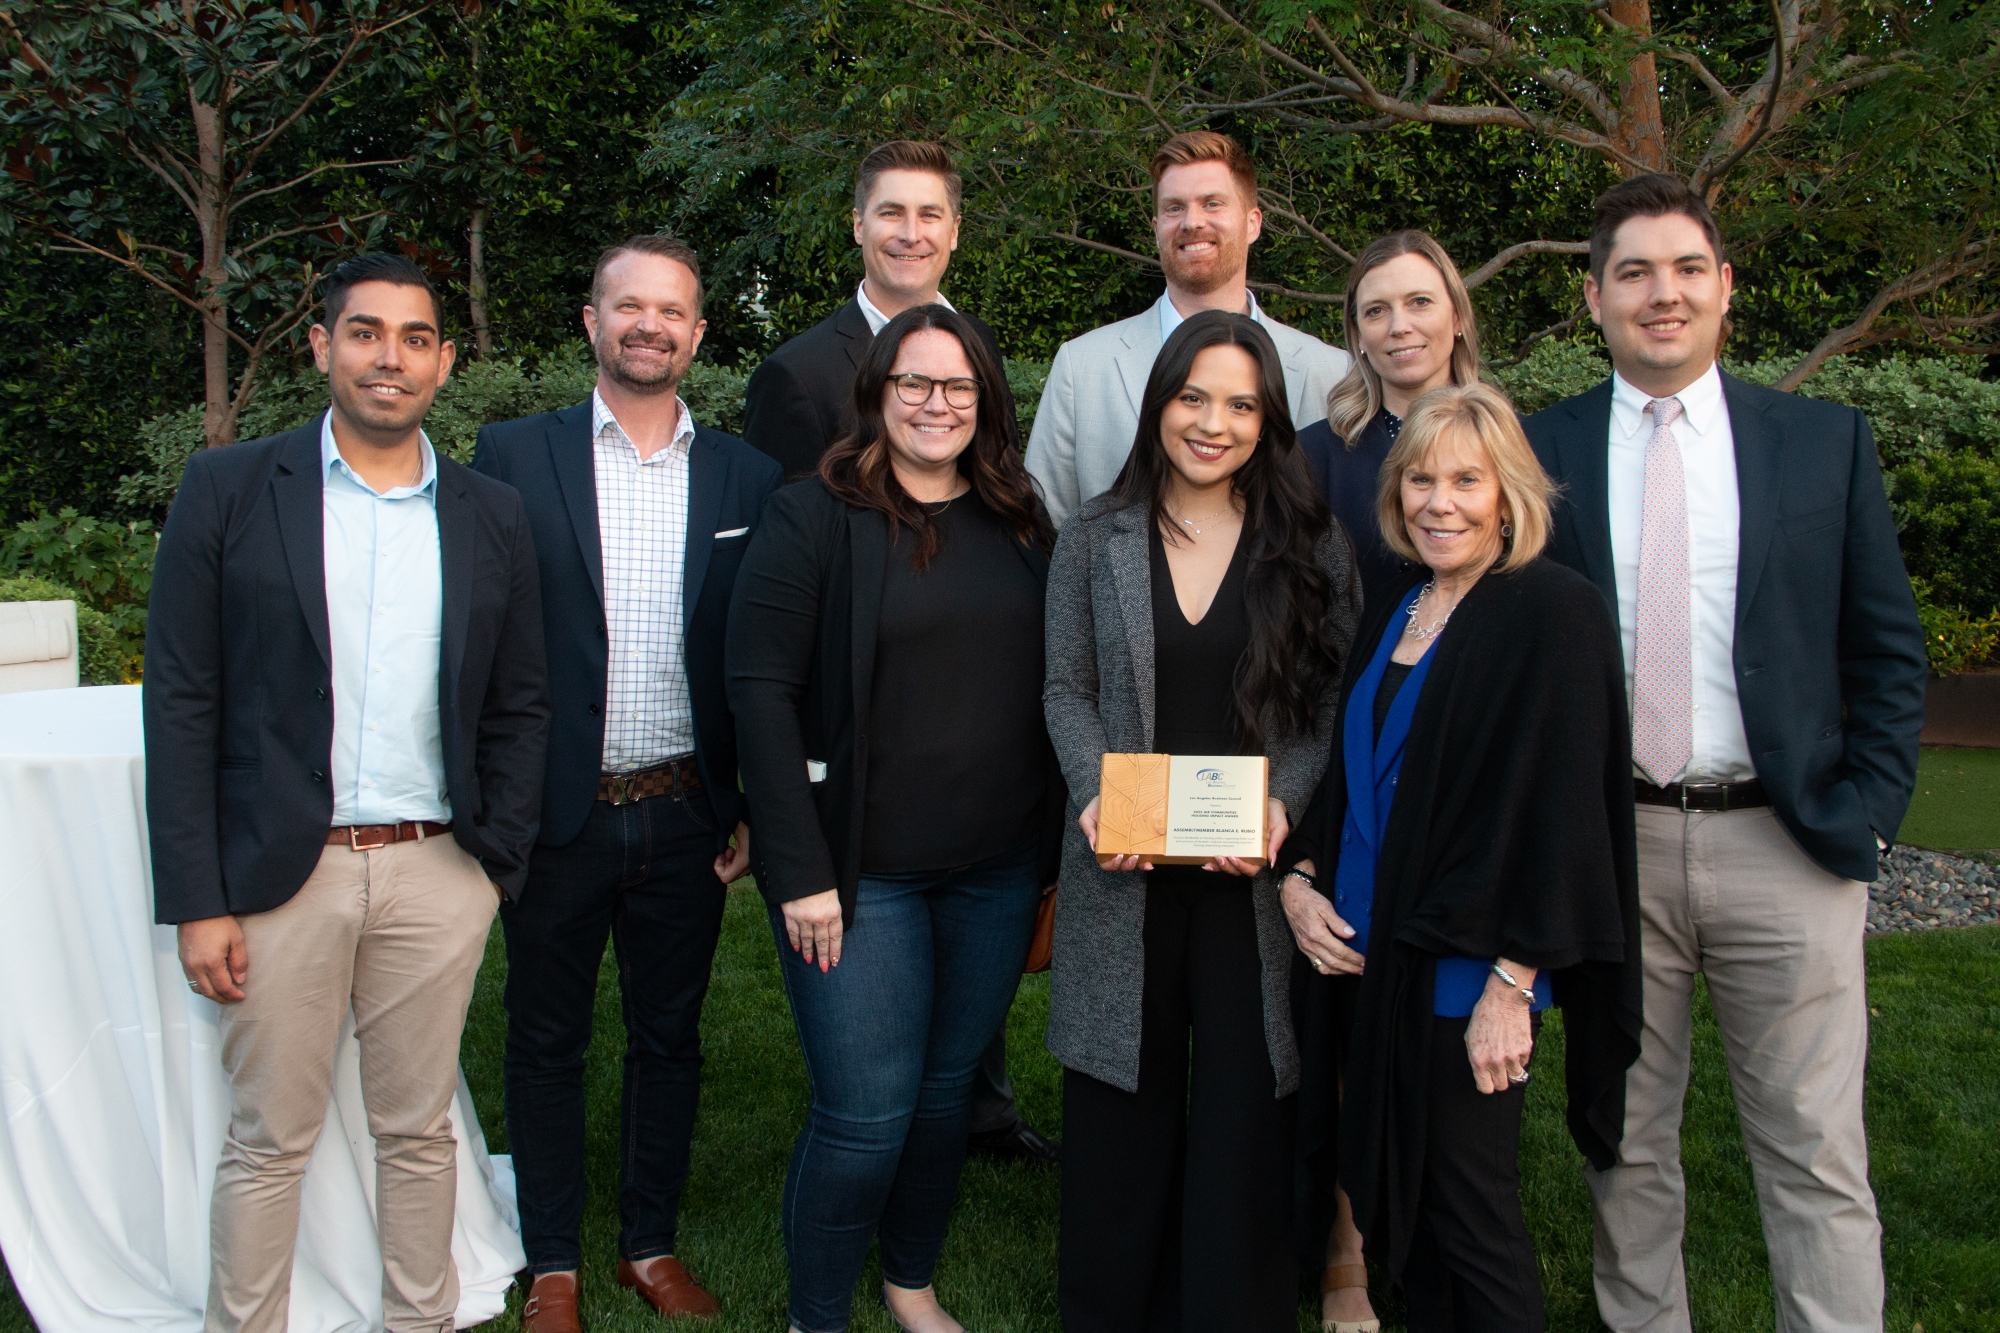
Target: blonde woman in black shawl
(1470, 856)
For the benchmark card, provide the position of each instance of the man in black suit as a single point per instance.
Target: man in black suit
(640, 519)
(345, 714)
(1776, 668)
(906, 201)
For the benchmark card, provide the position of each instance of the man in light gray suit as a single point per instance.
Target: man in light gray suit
(1205, 217)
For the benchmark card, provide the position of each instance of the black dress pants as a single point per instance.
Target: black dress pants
(1176, 1199)
(1472, 1266)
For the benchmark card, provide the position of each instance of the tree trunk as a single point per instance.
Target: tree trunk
(1640, 133)
(218, 417)
(482, 329)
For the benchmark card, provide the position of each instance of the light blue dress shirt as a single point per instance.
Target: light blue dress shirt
(385, 615)
(1171, 318)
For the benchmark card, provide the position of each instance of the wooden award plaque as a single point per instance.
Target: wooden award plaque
(1183, 809)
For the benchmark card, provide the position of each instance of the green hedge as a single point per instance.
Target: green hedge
(1936, 424)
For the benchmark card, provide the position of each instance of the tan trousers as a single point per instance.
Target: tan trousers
(398, 934)
(1732, 897)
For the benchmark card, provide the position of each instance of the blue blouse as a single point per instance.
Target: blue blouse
(1373, 764)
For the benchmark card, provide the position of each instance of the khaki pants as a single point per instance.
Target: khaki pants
(1732, 897)
(397, 933)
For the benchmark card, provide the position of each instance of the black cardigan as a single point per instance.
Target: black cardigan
(1511, 836)
(800, 664)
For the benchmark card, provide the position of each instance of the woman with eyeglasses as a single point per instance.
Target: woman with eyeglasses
(885, 670)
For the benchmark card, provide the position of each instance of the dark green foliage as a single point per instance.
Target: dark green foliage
(103, 655)
(109, 567)
(1948, 514)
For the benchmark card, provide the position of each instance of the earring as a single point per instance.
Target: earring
(1506, 529)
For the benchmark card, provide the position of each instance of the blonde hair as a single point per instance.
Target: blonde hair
(1482, 413)
(1184, 150)
(1358, 397)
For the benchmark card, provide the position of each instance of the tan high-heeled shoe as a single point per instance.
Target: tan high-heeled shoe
(1339, 1277)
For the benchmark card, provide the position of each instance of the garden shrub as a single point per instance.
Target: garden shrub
(108, 565)
(1948, 519)
(102, 658)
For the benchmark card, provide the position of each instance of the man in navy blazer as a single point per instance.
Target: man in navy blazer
(640, 520)
(345, 715)
(1776, 668)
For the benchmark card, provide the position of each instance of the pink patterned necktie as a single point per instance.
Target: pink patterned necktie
(1662, 669)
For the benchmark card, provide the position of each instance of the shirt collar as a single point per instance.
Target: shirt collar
(329, 459)
(1702, 405)
(877, 321)
(1171, 318)
(601, 416)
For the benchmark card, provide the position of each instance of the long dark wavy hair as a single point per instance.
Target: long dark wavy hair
(856, 466)
(1292, 654)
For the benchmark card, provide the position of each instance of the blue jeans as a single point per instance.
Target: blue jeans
(643, 875)
(891, 1039)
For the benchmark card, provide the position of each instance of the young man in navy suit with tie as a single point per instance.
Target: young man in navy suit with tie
(1776, 670)
(640, 518)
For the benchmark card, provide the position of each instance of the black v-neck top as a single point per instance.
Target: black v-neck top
(1194, 666)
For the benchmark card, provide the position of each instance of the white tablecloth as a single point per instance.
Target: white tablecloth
(113, 1105)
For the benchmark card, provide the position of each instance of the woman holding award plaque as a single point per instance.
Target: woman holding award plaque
(885, 664)
(1201, 610)
(1470, 856)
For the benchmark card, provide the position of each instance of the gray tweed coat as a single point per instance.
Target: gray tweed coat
(1099, 700)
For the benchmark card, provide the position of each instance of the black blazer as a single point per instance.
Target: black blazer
(549, 460)
(802, 635)
(1349, 478)
(801, 398)
(1829, 653)
(239, 679)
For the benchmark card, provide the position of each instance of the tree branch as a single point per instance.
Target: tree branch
(1274, 288)
(1479, 276)
(1706, 180)
(243, 199)
(1974, 257)
(77, 245)
(1290, 215)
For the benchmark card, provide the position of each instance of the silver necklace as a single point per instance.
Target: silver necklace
(1416, 631)
(1188, 523)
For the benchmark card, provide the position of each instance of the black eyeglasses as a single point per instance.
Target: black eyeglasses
(915, 390)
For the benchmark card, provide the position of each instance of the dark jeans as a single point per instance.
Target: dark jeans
(1177, 1198)
(642, 874)
(1472, 1266)
(891, 1037)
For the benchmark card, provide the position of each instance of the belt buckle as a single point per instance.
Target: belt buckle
(1720, 787)
(621, 789)
(354, 842)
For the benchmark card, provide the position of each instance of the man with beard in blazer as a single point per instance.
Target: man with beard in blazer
(906, 215)
(640, 518)
(345, 712)
(1776, 670)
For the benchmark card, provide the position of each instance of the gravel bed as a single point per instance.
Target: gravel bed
(1920, 890)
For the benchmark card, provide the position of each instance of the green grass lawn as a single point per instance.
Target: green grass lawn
(1933, 1109)
(1957, 805)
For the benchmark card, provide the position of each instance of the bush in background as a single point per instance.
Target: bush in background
(102, 656)
(105, 567)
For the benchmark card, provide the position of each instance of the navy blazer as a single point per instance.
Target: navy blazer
(1349, 476)
(1829, 654)
(549, 460)
(239, 679)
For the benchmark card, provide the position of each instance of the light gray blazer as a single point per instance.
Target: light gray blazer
(1089, 412)
(1099, 700)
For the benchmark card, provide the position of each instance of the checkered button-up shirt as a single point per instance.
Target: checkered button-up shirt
(642, 518)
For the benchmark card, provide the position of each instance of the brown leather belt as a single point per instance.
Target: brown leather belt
(668, 779)
(367, 837)
(1702, 797)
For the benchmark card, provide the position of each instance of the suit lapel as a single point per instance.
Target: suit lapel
(1140, 347)
(1760, 469)
(1132, 571)
(868, 538)
(706, 473)
(1584, 448)
(458, 533)
(855, 335)
(576, 475)
(298, 489)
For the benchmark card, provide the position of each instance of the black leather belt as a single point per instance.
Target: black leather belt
(1702, 797)
(668, 779)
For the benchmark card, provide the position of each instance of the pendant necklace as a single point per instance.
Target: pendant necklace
(1188, 523)
(1420, 632)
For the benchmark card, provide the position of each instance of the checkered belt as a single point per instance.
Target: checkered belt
(668, 779)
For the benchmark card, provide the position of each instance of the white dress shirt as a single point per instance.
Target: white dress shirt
(385, 626)
(642, 517)
(877, 321)
(1714, 515)
(1171, 317)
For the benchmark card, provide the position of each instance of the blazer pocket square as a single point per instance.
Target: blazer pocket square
(733, 532)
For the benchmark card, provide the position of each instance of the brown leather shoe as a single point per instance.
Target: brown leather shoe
(551, 1305)
(668, 1288)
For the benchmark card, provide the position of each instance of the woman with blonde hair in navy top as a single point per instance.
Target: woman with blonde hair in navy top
(1468, 860)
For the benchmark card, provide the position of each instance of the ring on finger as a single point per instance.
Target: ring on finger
(1521, 1077)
